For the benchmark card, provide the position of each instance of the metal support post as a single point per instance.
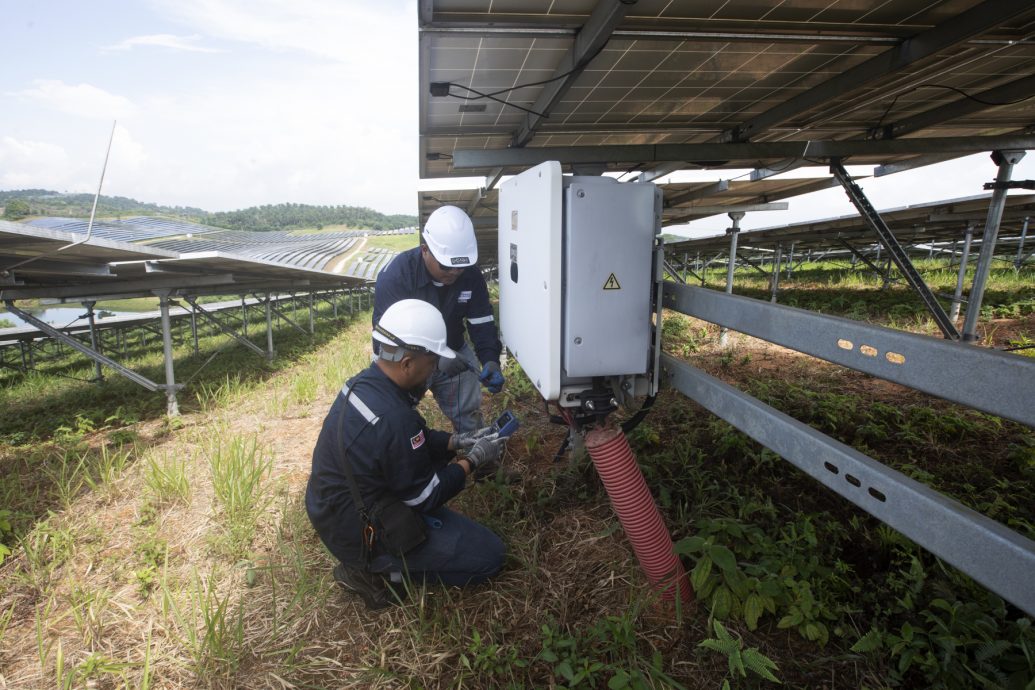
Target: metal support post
(1019, 261)
(194, 327)
(312, 322)
(774, 279)
(736, 217)
(957, 297)
(172, 408)
(790, 261)
(244, 317)
(895, 250)
(1005, 160)
(98, 374)
(269, 327)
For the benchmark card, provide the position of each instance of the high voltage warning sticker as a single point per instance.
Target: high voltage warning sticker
(612, 283)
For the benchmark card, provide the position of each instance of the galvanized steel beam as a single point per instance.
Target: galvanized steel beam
(997, 557)
(649, 153)
(1005, 386)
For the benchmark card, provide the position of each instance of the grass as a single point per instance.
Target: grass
(183, 555)
(395, 243)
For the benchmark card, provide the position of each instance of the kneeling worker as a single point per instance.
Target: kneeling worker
(381, 478)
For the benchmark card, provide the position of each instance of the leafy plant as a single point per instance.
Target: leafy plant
(741, 660)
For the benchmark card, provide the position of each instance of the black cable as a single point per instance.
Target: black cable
(493, 98)
(876, 127)
(974, 98)
(634, 421)
(492, 95)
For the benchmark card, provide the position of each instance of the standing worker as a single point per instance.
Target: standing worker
(381, 478)
(443, 272)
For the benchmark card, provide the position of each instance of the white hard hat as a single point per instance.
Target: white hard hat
(449, 235)
(413, 324)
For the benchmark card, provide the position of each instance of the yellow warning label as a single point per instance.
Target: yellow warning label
(612, 283)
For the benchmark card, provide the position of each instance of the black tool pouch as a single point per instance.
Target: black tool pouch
(397, 527)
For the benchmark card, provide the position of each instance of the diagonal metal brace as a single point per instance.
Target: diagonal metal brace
(284, 316)
(897, 252)
(223, 329)
(752, 264)
(672, 271)
(862, 257)
(54, 333)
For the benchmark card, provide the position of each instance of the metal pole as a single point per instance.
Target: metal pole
(736, 217)
(1005, 160)
(269, 327)
(244, 317)
(172, 409)
(194, 326)
(312, 323)
(775, 278)
(1020, 249)
(98, 374)
(954, 310)
(790, 261)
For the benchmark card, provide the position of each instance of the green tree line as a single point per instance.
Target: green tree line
(21, 203)
(288, 216)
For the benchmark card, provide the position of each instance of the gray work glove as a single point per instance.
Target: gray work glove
(485, 450)
(468, 438)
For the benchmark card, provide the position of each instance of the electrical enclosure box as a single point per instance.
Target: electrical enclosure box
(577, 263)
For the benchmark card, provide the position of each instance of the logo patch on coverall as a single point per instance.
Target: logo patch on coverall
(465, 296)
(418, 440)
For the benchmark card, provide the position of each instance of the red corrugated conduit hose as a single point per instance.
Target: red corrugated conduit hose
(636, 510)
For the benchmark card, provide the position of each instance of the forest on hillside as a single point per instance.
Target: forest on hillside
(287, 216)
(22, 203)
(45, 202)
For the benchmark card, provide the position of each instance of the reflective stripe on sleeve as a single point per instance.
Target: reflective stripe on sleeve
(424, 494)
(482, 319)
(360, 406)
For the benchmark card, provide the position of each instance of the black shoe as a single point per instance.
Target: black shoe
(369, 586)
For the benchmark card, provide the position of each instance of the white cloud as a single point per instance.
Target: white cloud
(34, 164)
(362, 34)
(171, 41)
(85, 100)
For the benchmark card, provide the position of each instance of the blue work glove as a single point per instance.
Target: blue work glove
(491, 377)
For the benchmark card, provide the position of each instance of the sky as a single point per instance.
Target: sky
(225, 104)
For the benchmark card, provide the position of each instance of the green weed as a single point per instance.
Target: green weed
(166, 480)
(740, 660)
(239, 467)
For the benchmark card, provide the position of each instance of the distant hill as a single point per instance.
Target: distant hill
(44, 202)
(288, 216)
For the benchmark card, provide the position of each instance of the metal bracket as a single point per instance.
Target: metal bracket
(1010, 184)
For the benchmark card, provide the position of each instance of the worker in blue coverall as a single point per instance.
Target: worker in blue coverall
(443, 272)
(374, 427)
